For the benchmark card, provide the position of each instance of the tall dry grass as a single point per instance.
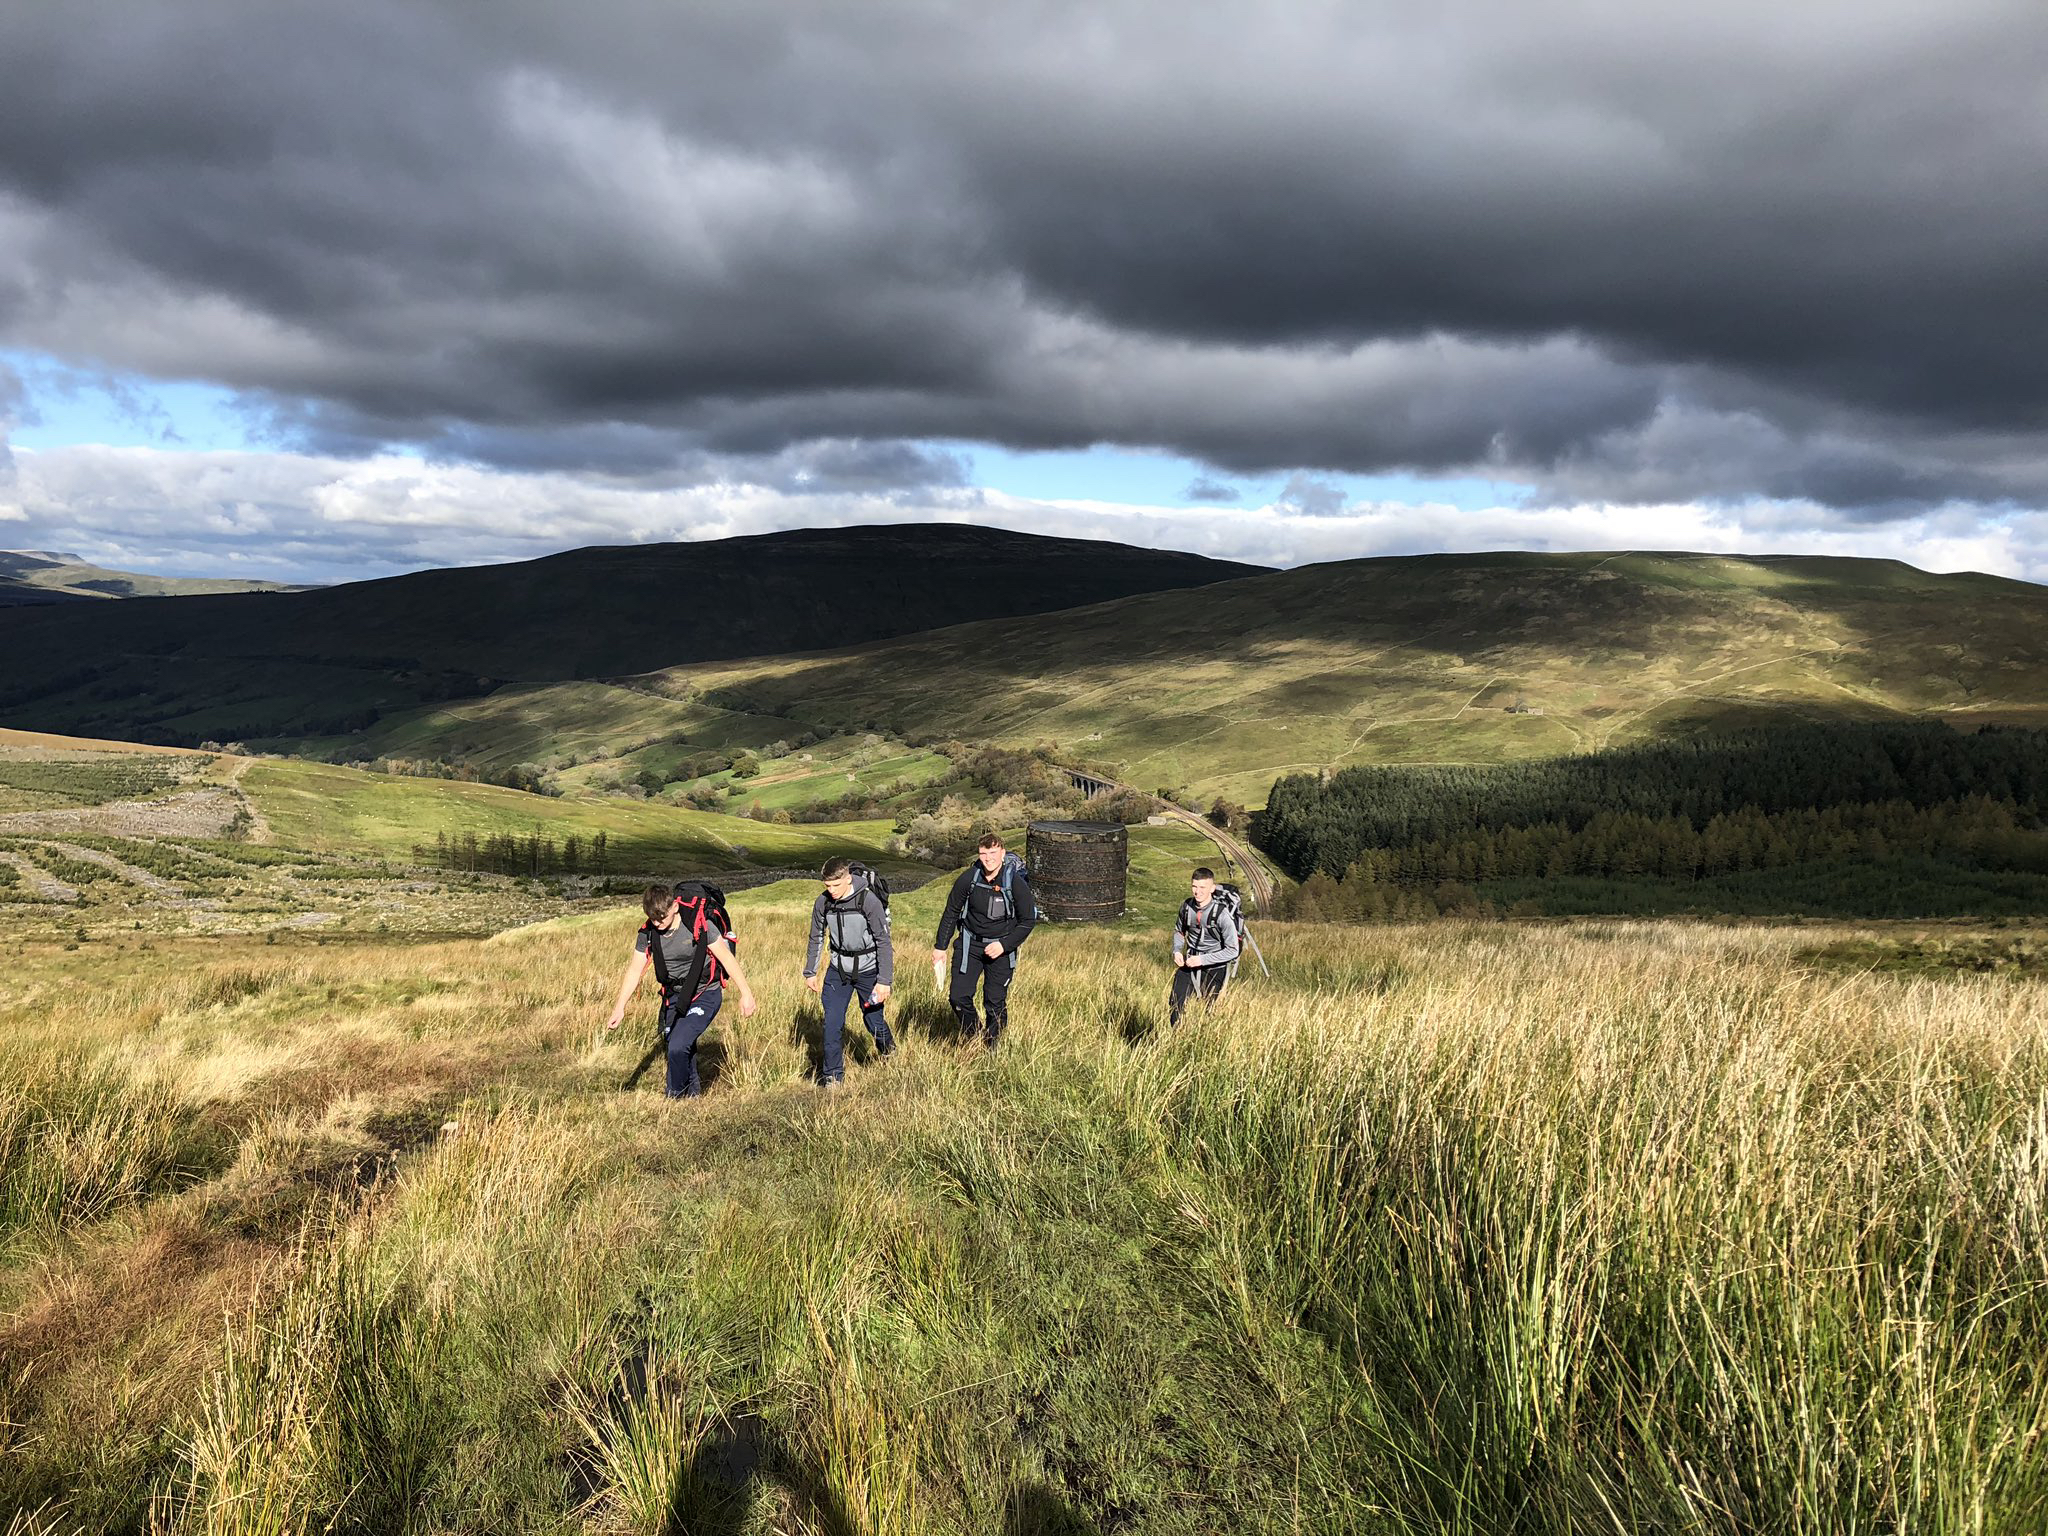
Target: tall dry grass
(1489, 1229)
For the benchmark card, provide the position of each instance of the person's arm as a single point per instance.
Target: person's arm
(885, 951)
(1023, 912)
(628, 985)
(1180, 937)
(817, 949)
(949, 920)
(722, 953)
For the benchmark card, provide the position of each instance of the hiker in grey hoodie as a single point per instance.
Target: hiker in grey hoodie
(855, 921)
(1206, 940)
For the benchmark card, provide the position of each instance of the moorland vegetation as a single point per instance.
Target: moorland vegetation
(1638, 1228)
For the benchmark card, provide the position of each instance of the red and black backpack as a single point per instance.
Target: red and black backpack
(704, 913)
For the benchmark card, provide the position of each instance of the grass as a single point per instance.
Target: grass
(1419, 659)
(526, 724)
(312, 805)
(827, 771)
(1481, 1229)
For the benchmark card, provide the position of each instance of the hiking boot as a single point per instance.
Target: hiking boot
(833, 1084)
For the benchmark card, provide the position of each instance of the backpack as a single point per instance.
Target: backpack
(1013, 865)
(703, 909)
(1224, 899)
(872, 880)
(867, 879)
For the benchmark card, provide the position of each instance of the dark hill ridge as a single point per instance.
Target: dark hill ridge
(336, 658)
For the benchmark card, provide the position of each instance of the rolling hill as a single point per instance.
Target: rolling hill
(296, 664)
(36, 577)
(1438, 658)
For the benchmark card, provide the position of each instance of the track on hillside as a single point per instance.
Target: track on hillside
(1258, 881)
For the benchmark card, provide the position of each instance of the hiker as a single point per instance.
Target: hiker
(992, 911)
(852, 912)
(691, 952)
(1206, 939)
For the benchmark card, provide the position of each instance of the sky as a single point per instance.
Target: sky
(313, 292)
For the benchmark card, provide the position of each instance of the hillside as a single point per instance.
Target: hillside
(1436, 658)
(35, 577)
(337, 659)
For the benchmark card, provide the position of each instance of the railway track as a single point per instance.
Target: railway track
(1252, 874)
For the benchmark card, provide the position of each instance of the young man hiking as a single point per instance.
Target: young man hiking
(1206, 939)
(691, 959)
(854, 919)
(992, 911)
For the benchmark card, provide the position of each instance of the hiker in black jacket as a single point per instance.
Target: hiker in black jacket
(855, 920)
(992, 912)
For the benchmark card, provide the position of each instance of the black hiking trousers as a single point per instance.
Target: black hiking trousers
(970, 965)
(1188, 980)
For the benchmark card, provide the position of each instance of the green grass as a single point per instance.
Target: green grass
(1417, 660)
(825, 772)
(311, 805)
(44, 783)
(546, 724)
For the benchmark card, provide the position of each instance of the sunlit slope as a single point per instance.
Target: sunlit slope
(1425, 659)
(313, 805)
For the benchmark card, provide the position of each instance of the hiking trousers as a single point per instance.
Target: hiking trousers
(970, 965)
(684, 1027)
(837, 990)
(1207, 980)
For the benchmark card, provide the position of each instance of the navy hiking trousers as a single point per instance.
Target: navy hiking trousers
(838, 989)
(684, 1026)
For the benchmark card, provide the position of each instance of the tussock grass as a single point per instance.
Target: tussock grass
(1484, 1229)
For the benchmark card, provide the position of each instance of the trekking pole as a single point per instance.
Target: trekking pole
(1257, 951)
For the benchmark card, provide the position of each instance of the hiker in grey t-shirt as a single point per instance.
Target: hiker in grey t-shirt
(850, 917)
(691, 959)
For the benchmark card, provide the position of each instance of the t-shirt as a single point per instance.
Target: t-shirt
(678, 952)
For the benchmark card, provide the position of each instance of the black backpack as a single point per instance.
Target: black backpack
(1224, 899)
(873, 880)
(703, 908)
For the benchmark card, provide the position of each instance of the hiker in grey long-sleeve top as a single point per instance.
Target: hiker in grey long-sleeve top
(1206, 938)
(855, 922)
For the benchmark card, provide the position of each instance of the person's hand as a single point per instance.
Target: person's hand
(938, 957)
(1180, 962)
(992, 949)
(881, 992)
(815, 983)
(747, 1003)
(618, 1016)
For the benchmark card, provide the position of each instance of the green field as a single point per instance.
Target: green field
(312, 805)
(551, 724)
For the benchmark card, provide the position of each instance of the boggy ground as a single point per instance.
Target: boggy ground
(1488, 1229)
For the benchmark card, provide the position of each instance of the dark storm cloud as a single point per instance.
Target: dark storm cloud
(1622, 252)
